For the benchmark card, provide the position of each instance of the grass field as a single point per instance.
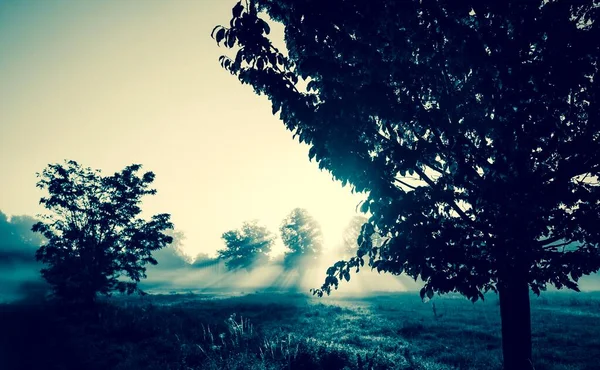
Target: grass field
(293, 331)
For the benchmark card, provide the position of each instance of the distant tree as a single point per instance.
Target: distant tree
(350, 238)
(247, 247)
(95, 237)
(473, 125)
(204, 260)
(302, 236)
(172, 256)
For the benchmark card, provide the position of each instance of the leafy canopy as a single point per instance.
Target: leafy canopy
(302, 236)
(472, 125)
(247, 247)
(95, 236)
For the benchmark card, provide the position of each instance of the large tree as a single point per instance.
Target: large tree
(96, 241)
(302, 236)
(247, 247)
(472, 125)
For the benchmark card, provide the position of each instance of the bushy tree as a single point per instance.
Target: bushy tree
(473, 126)
(247, 247)
(96, 241)
(302, 236)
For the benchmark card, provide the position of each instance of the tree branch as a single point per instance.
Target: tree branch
(548, 241)
(452, 204)
(405, 184)
(555, 246)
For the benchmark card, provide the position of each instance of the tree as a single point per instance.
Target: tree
(473, 126)
(203, 260)
(351, 235)
(95, 237)
(247, 247)
(302, 235)
(173, 256)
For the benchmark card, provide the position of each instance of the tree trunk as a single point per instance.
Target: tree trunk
(516, 322)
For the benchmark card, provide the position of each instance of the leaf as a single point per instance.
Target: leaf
(266, 27)
(230, 39)
(220, 35)
(311, 85)
(237, 9)
(212, 34)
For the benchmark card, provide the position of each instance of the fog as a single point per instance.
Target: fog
(19, 271)
(212, 276)
(178, 273)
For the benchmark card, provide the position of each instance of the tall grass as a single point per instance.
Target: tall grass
(291, 332)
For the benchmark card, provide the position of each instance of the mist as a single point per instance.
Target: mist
(176, 272)
(19, 271)
(210, 275)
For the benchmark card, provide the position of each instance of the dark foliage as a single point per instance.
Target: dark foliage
(473, 126)
(94, 234)
(247, 247)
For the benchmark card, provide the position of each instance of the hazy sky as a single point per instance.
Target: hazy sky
(114, 82)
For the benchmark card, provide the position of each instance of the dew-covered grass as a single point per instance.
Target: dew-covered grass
(293, 331)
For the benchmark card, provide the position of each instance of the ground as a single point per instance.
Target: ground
(293, 331)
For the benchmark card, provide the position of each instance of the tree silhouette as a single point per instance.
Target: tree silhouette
(94, 234)
(302, 235)
(472, 125)
(248, 247)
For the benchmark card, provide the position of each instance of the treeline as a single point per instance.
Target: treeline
(92, 241)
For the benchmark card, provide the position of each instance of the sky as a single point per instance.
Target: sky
(109, 83)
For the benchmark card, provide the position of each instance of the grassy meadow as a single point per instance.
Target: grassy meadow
(293, 331)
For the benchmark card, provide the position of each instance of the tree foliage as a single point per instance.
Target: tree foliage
(247, 247)
(472, 125)
(302, 236)
(96, 241)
